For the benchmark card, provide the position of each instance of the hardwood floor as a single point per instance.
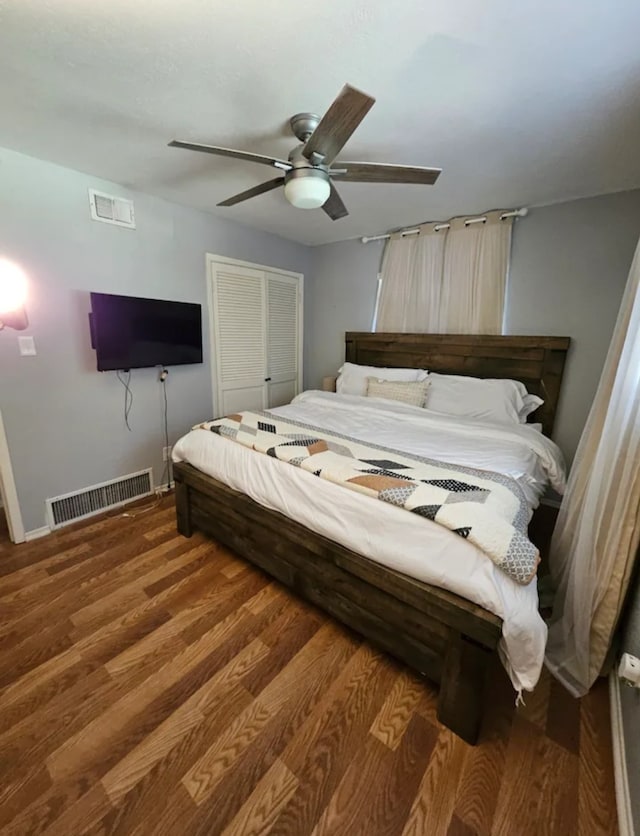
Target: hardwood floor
(153, 684)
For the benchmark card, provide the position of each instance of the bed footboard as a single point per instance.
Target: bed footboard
(443, 637)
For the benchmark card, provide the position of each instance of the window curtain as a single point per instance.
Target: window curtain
(595, 542)
(446, 281)
(412, 282)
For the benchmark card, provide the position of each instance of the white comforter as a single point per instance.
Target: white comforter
(390, 535)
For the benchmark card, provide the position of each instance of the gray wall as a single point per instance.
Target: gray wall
(568, 268)
(339, 297)
(63, 419)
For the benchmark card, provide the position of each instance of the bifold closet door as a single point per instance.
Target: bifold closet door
(240, 338)
(282, 338)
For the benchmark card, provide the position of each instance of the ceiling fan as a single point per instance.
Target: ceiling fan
(312, 166)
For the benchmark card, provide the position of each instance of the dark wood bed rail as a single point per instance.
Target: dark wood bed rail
(538, 362)
(443, 637)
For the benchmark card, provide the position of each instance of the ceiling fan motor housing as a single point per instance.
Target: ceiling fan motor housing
(304, 124)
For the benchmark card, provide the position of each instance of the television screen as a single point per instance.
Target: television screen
(130, 333)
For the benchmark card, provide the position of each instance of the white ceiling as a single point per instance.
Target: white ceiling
(520, 103)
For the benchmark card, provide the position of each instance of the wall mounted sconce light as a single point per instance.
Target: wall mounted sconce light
(13, 295)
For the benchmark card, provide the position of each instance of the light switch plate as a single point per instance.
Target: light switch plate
(27, 346)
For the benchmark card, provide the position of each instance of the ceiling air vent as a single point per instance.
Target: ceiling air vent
(111, 210)
(71, 507)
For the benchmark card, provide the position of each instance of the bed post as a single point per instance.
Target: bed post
(461, 695)
(183, 512)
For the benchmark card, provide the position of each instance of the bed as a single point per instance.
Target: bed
(340, 560)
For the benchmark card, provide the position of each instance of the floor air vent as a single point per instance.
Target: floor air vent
(62, 510)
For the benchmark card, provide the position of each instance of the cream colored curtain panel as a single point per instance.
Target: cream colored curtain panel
(595, 543)
(447, 281)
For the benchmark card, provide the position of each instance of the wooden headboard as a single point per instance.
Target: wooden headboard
(536, 361)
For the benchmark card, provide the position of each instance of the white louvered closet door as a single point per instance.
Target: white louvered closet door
(239, 348)
(256, 337)
(282, 338)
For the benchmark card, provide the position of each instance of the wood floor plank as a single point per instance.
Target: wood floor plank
(202, 779)
(83, 537)
(83, 814)
(285, 637)
(536, 703)
(84, 574)
(138, 762)
(228, 595)
(192, 590)
(364, 664)
(340, 729)
(540, 780)
(236, 568)
(375, 795)
(153, 798)
(34, 651)
(247, 770)
(153, 684)
(259, 812)
(160, 530)
(434, 803)
(596, 786)
(458, 828)
(133, 586)
(77, 593)
(18, 580)
(35, 734)
(142, 803)
(178, 627)
(397, 710)
(563, 720)
(17, 794)
(15, 578)
(485, 763)
(110, 564)
(182, 672)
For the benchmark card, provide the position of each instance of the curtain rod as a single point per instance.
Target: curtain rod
(517, 213)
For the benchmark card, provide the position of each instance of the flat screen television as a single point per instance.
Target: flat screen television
(128, 332)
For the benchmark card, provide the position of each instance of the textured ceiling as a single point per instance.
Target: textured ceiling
(520, 103)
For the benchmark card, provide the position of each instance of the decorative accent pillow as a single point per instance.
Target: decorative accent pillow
(352, 379)
(411, 392)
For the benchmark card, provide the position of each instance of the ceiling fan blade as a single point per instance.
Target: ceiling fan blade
(334, 207)
(338, 123)
(385, 173)
(232, 152)
(254, 192)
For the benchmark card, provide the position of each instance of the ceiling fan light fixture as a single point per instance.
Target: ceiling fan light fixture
(307, 188)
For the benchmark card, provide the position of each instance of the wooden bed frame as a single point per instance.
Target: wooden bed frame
(442, 636)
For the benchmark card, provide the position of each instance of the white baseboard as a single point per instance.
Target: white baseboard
(623, 800)
(36, 533)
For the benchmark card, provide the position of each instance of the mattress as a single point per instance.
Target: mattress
(390, 535)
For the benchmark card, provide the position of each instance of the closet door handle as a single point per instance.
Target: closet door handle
(267, 379)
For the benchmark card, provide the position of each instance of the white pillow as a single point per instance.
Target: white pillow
(352, 379)
(412, 392)
(531, 403)
(486, 399)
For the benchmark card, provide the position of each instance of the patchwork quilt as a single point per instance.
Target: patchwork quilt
(489, 509)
